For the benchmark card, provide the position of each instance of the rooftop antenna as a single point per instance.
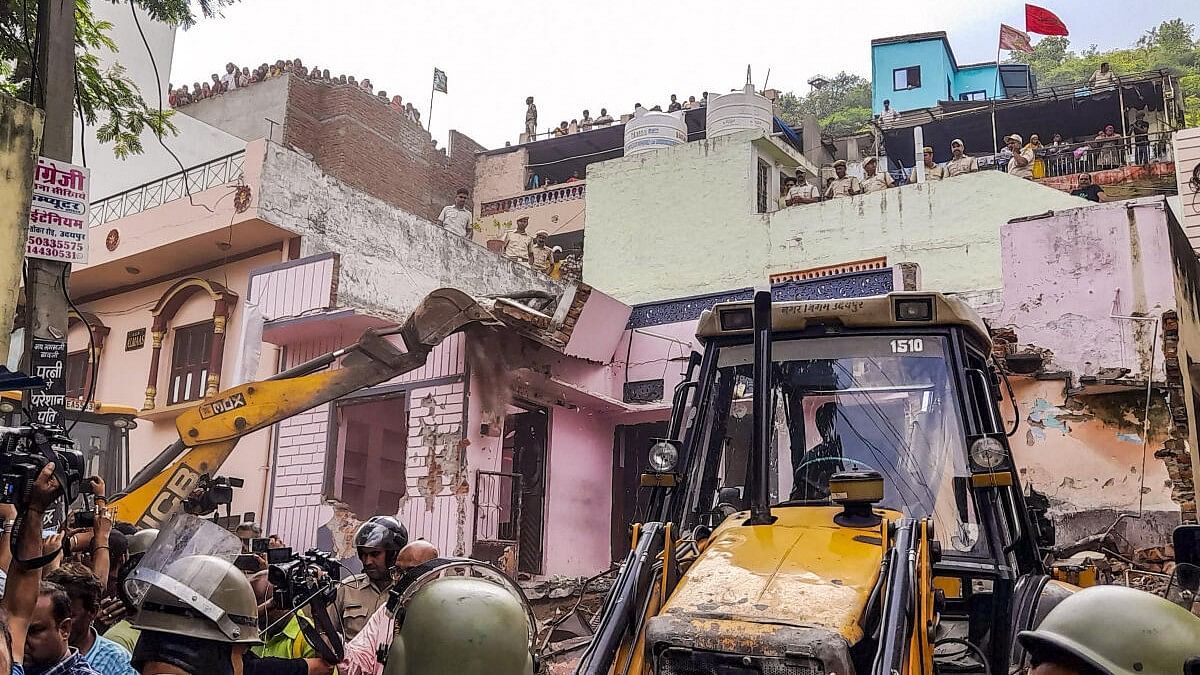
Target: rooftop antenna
(764, 87)
(748, 80)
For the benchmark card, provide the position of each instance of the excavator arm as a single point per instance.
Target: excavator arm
(209, 431)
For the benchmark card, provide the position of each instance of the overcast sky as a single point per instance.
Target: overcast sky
(572, 55)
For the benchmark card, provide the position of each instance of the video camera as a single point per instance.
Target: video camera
(25, 450)
(211, 493)
(302, 578)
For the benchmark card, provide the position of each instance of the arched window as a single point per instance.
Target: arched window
(197, 349)
(83, 363)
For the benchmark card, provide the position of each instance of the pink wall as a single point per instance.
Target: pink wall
(579, 494)
(598, 327)
(1065, 274)
(121, 378)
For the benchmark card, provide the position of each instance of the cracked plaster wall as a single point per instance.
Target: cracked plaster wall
(389, 258)
(1086, 454)
(1065, 275)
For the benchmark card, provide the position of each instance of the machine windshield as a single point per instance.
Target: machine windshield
(850, 403)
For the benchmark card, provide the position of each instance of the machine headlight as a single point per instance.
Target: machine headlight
(987, 453)
(663, 456)
(914, 309)
(120, 423)
(7, 407)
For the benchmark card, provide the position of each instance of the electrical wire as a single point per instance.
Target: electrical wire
(158, 134)
(82, 123)
(92, 354)
(36, 95)
(971, 647)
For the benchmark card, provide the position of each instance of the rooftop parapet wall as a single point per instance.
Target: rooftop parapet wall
(352, 135)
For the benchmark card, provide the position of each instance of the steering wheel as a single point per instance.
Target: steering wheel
(814, 460)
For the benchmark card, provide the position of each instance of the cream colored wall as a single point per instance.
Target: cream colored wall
(674, 222)
(499, 176)
(681, 222)
(121, 378)
(556, 218)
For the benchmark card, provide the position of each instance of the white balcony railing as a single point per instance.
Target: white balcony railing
(167, 189)
(553, 195)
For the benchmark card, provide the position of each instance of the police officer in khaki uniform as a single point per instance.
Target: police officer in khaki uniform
(377, 541)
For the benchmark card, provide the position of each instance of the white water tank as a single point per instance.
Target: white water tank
(738, 111)
(654, 130)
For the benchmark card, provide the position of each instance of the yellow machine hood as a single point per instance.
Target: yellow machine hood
(804, 571)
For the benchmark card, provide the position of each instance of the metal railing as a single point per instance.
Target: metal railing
(553, 195)
(497, 506)
(167, 189)
(1093, 155)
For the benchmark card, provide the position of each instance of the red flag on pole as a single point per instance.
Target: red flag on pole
(1014, 40)
(1043, 22)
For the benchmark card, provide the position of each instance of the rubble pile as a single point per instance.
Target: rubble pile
(1108, 559)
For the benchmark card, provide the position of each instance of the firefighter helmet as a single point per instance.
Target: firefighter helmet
(1119, 631)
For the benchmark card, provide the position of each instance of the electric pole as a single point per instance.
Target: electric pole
(45, 288)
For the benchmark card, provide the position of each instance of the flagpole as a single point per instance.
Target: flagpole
(995, 90)
(429, 120)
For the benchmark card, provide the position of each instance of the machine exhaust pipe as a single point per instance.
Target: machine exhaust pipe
(760, 468)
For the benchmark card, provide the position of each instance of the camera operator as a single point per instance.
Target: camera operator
(38, 615)
(285, 641)
(378, 542)
(362, 653)
(248, 532)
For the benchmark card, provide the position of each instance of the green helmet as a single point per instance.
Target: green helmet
(140, 541)
(1120, 631)
(462, 626)
(200, 596)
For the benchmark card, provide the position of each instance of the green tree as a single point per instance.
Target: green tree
(842, 106)
(1170, 46)
(99, 92)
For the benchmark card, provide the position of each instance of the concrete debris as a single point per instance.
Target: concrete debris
(558, 587)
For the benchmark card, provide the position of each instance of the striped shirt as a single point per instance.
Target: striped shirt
(108, 658)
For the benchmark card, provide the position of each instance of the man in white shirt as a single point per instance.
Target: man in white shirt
(960, 163)
(229, 79)
(457, 217)
(889, 113)
(1104, 77)
(1021, 164)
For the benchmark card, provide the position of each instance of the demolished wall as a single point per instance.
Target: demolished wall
(389, 258)
(1086, 330)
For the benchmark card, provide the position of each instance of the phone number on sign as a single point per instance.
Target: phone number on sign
(43, 242)
(55, 253)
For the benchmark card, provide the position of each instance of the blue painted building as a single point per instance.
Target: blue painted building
(919, 70)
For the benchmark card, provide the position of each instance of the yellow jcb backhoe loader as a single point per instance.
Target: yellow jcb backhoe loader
(209, 431)
(836, 495)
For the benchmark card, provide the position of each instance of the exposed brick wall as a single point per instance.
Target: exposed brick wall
(436, 504)
(374, 148)
(299, 477)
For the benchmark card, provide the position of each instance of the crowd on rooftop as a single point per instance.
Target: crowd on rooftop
(586, 122)
(235, 78)
(1028, 160)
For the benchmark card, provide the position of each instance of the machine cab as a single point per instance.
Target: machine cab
(901, 386)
